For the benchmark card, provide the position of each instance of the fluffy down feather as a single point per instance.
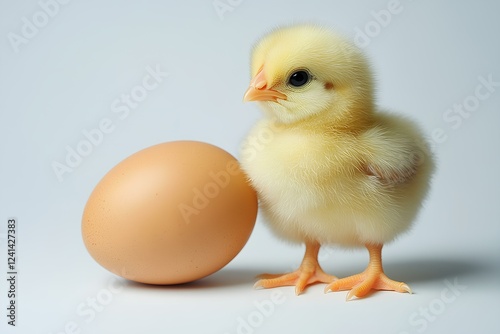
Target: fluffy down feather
(328, 165)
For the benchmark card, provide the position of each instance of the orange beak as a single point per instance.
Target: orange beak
(258, 91)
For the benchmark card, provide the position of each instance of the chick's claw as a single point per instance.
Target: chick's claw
(309, 272)
(373, 278)
(361, 284)
(301, 278)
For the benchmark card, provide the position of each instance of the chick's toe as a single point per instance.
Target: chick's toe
(373, 278)
(309, 272)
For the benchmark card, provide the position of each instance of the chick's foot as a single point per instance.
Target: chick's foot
(373, 278)
(309, 273)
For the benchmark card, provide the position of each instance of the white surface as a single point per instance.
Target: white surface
(66, 77)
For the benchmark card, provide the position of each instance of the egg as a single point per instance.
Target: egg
(171, 213)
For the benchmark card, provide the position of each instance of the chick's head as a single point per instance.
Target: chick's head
(303, 71)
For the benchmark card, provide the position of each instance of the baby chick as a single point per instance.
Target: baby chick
(328, 165)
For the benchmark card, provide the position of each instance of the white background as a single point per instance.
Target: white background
(64, 78)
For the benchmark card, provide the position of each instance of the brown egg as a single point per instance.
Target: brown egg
(171, 213)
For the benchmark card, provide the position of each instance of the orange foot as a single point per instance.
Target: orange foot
(309, 272)
(373, 278)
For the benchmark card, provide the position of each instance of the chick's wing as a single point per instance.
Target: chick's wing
(393, 150)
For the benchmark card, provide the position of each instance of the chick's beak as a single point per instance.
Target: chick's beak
(258, 91)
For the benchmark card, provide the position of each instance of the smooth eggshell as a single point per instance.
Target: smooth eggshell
(171, 213)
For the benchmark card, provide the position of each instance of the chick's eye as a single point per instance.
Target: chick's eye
(299, 78)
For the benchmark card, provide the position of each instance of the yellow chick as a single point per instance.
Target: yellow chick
(328, 165)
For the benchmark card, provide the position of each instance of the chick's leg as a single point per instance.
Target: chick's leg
(373, 278)
(309, 272)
